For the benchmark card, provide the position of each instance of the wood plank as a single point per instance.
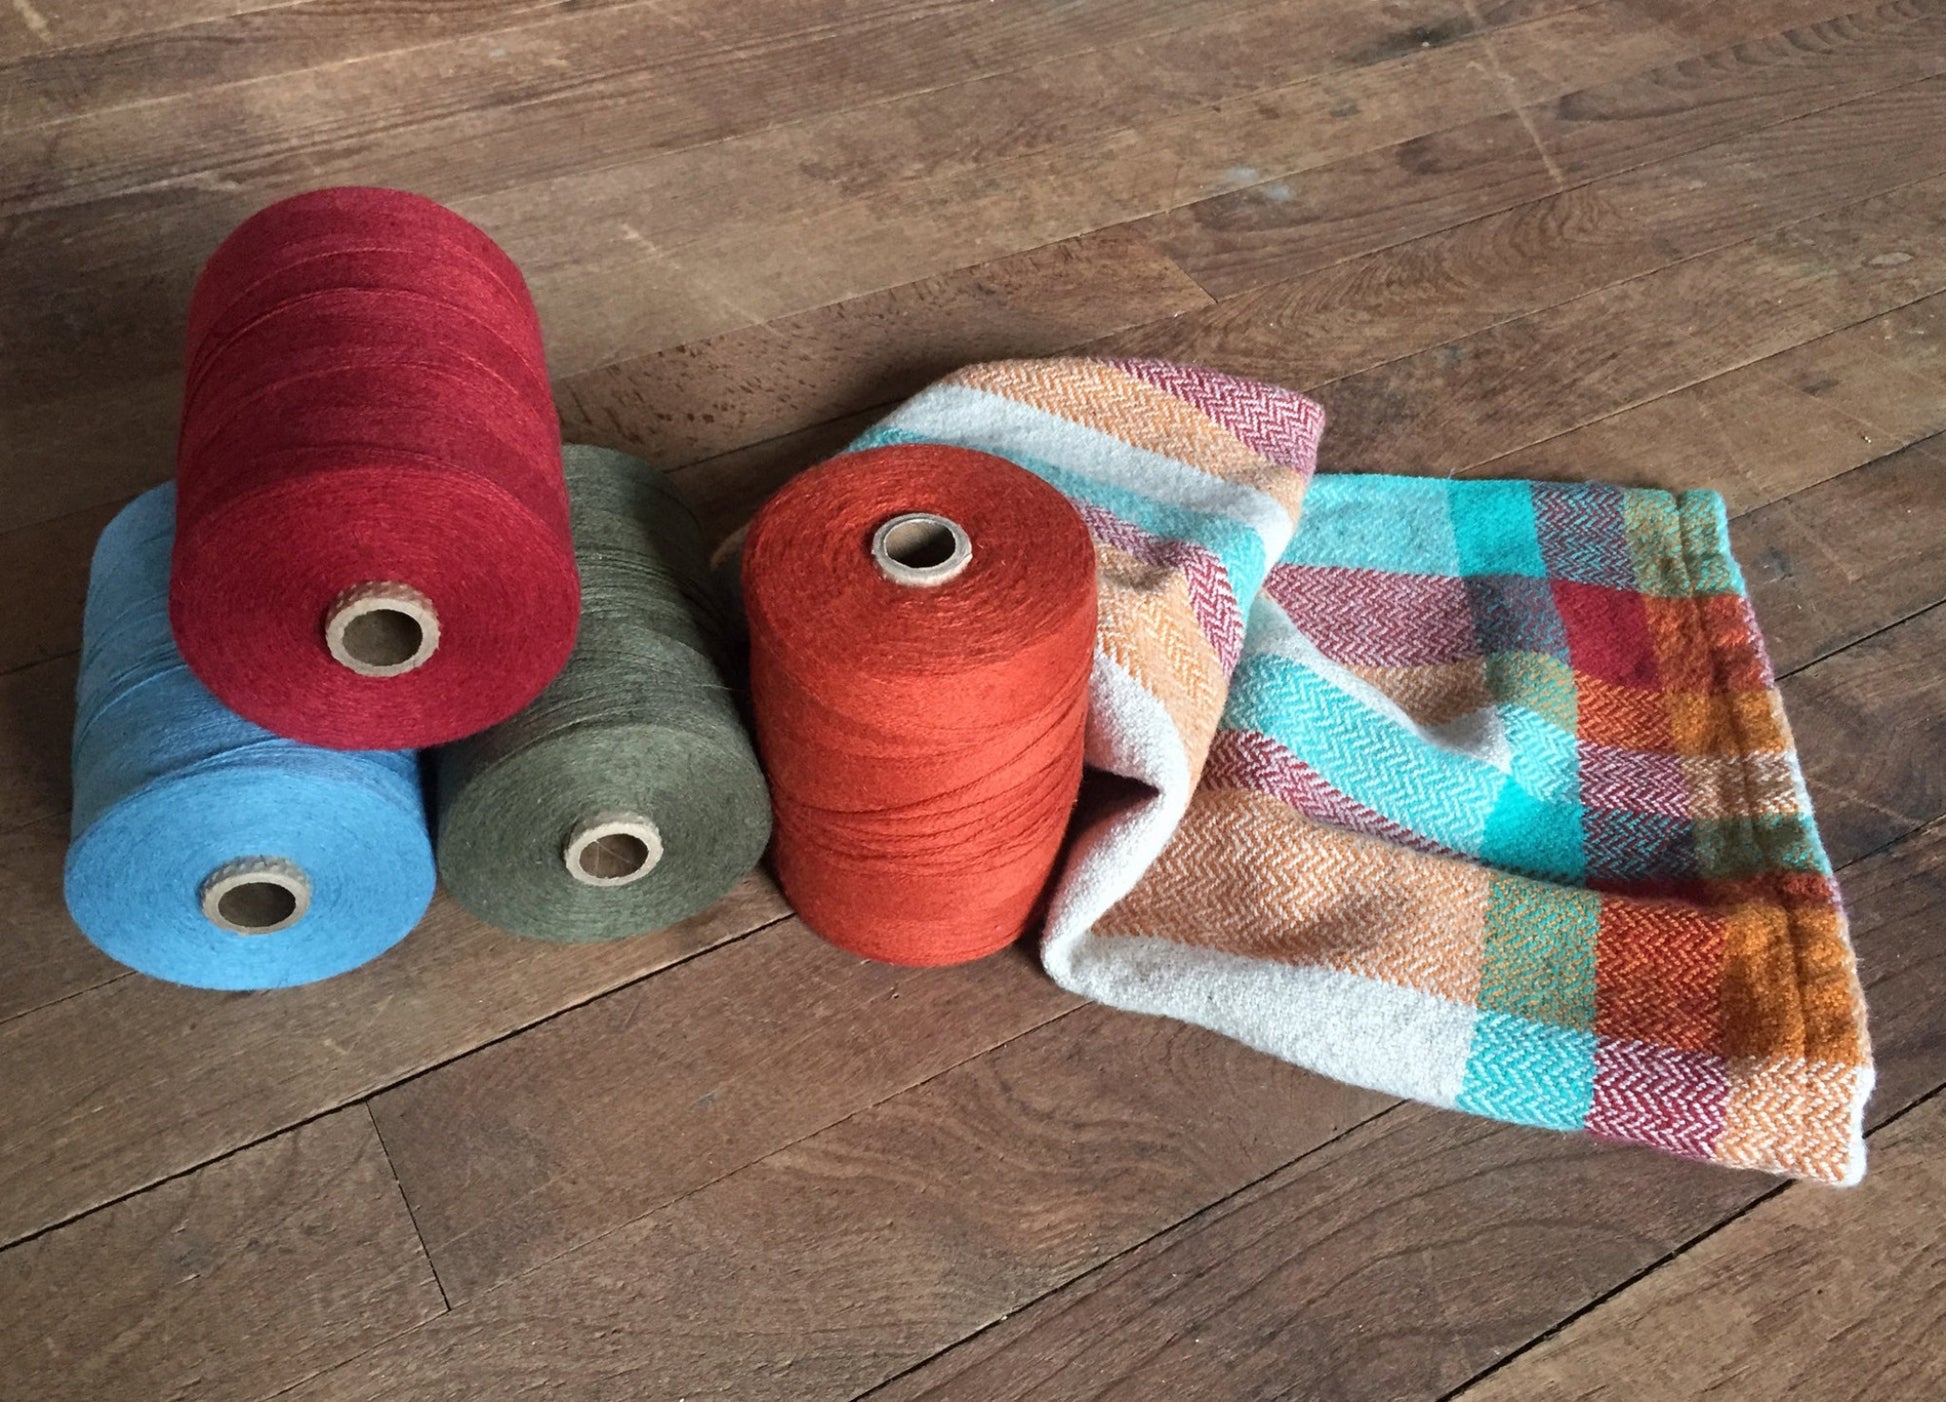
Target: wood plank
(129, 64)
(1457, 407)
(833, 1263)
(1424, 1246)
(499, 110)
(678, 406)
(1807, 1295)
(854, 1254)
(1775, 426)
(530, 1147)
(49, 26)
(1241, 240)
(1890, 685)
(44, 571)
(1833, 564)
(36, 716)
(1756, 434)
(173, 1077)
(98, 353)
(727, 490)
(913, 229)
(585, 89)
(46, 957)
(241, 1278)
(1352, 315)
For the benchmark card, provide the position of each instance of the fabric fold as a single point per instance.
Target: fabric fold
(1479, 793)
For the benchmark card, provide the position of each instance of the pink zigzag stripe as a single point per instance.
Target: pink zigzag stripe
(1278, 423)
(1210, 599)
(1376, 619)
(1674, 1100)
(1246, 759)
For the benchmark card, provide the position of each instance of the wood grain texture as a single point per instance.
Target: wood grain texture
(234, 43)
(916, 227)
(1272, 231)
(1847, 558)
(1424, 1246)
(241, 1278)
(1352, 315)
(36, 715)
(46, 958)
(727, 490)
(525, 1149)
(131, 1081)
(1455, 408)
(47, 570)
(710, 397)
(1811, 1294)
(1774, 426)
(1871, 725)
(834, 1264)
(589, 232)
(774, 230)
(50, 26)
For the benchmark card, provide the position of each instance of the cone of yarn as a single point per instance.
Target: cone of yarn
(372, 545)
(627, 796)
(206, 850)
(921, 626)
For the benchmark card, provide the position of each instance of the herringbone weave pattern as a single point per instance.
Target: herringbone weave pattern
(1475, 792)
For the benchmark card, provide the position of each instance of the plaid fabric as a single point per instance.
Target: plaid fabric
(1487, 799)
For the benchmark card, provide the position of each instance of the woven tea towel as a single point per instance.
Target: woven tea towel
(1479, 793)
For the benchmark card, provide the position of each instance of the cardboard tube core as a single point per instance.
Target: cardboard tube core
(256, 896)
(381, 629)
(919, 550)
(613, 849)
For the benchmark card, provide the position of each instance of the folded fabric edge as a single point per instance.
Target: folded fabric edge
(1778, 1115)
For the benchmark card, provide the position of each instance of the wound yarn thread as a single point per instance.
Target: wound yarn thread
(173, 790)
(923, 741)
(369, 451)
(637, 734)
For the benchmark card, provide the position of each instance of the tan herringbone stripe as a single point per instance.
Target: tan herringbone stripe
(1148, 626)
(1430, 695)
(1247, 875)
(1788, 1115)
(1101, 397)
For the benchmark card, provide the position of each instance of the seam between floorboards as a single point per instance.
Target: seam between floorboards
(1775, 1191)
(1770, 1192)
(375, 1091)
(425, 1252)
(1567, 184)
(1318, 386)
(1473, 36)
(1920, 612)
(1939, 290)
(561, 16)
(1105, 1263)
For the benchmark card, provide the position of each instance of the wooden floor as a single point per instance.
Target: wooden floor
(1681, 242)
